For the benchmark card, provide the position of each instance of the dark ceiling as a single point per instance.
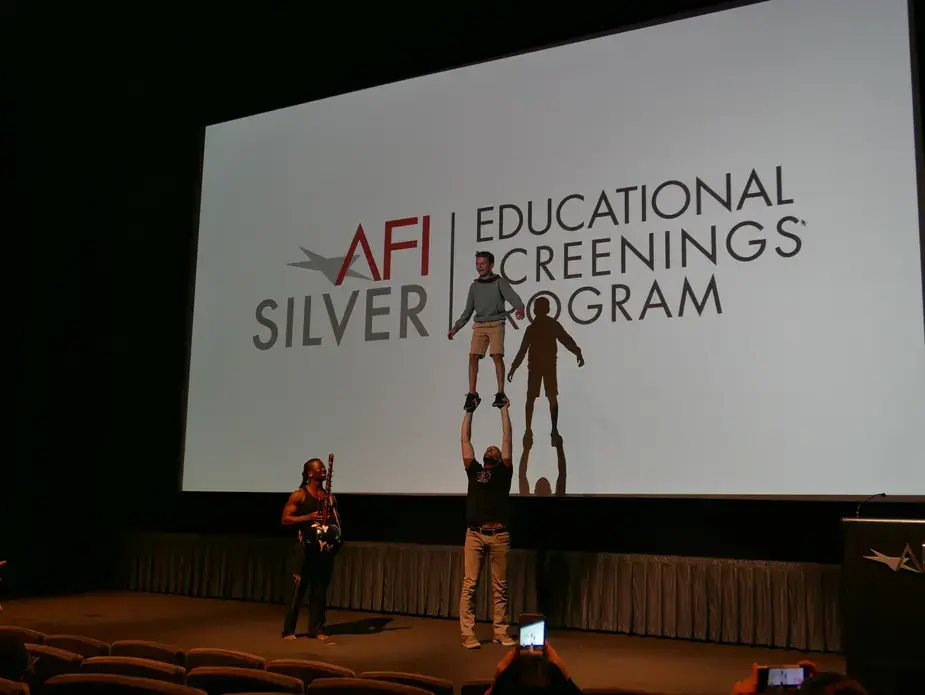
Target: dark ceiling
(211, 61)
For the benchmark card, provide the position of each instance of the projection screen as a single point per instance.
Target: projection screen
(721, 213)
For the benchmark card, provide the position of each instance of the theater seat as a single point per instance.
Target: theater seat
(77, 644)
(51, 662)
(24, 634)
(197, 658)
(155, 651)
(307, 671)
(219, 680)
(109, 684)
(436, 686)
(11, 688)
(136, 668)
(474, 687)
(361, 686)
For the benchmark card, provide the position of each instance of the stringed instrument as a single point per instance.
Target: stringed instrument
(327, 531)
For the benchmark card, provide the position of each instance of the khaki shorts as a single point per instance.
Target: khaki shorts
(487, 337)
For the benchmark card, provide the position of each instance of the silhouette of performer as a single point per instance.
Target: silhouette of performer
(540, 346)
(543, 487)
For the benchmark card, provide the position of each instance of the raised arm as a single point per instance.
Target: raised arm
(506, 445)
(291, 510)
(563, 472)
(465, 437)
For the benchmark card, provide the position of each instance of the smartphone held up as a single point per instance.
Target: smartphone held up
(533, 634)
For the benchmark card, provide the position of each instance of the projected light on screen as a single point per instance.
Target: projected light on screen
(713, 224)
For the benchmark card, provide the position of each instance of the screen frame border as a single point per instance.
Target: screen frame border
(674, 17)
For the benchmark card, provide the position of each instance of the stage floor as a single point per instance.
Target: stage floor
(365, 642)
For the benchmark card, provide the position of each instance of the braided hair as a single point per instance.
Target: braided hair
(306, 469)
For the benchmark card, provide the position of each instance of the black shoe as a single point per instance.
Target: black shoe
(500, 400)
(472, 402)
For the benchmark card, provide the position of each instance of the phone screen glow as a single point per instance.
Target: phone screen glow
(533, 635)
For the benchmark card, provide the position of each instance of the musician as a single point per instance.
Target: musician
(487, 511)
(313, 557)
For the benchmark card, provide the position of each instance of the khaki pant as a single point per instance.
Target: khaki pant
(487, 337)
(496, 546)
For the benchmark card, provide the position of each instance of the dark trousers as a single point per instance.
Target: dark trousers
(311, 575)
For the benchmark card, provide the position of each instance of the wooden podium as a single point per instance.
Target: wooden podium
(883, 603)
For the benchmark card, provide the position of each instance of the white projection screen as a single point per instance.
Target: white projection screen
(722, 211)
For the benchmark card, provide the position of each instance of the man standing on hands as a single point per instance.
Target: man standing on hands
(487, 512)
(487, 297)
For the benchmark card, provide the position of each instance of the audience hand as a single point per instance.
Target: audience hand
(553, 657)
(505, 662)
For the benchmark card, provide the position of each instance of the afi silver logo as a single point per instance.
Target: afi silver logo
(484, 476)
(329, 267)
(906, 561)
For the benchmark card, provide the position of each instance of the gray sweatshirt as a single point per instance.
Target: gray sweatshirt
(486, 300)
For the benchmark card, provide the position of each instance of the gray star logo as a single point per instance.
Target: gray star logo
(906, 561)
(329, 266)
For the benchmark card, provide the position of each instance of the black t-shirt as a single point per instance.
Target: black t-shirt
(488, 499)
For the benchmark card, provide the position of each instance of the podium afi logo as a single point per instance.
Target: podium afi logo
(906, 561)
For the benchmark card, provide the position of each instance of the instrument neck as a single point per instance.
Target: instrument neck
(325, 502)
(327, 491)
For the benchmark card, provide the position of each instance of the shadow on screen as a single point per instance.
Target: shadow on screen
(540, 346)
(543, 488)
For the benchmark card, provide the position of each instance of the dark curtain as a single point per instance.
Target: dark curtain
(776, 604)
